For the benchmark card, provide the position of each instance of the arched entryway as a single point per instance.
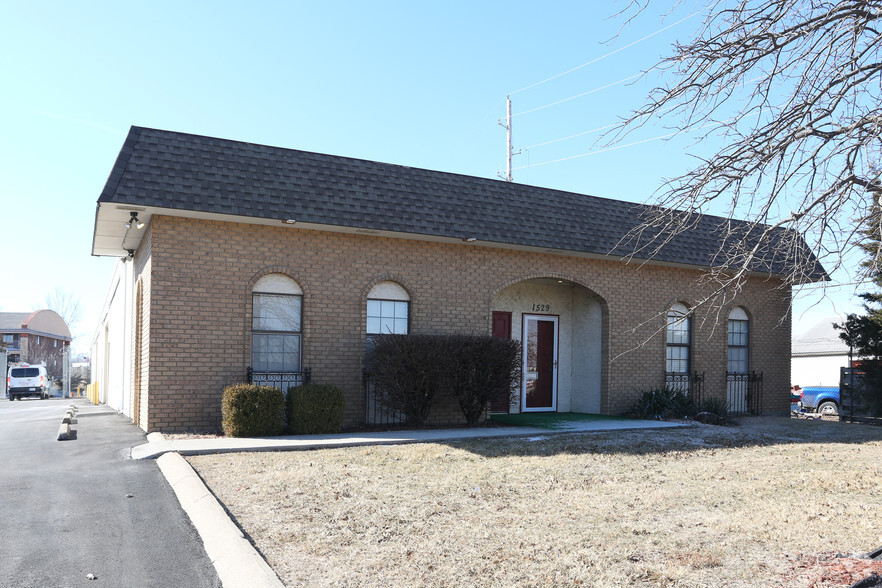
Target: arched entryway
(560, 325)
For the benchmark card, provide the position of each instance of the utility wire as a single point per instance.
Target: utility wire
(616, 147)
(610, 85)
(571, 136)
(598, 129)
(478, 124)
(611, 53)
(599, 151)
(623, 146)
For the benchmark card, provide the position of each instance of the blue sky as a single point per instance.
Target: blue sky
(421, 84)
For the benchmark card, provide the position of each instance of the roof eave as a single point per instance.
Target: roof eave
(145, 213)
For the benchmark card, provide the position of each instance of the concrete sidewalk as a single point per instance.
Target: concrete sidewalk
(159, 445)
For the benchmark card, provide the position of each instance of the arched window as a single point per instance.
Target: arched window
(738, 331)
(388, 309)
(678, 340)
(276, 324)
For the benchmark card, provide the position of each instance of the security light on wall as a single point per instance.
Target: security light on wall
(133, 220)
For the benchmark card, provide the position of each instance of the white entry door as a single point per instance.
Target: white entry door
(539, 391)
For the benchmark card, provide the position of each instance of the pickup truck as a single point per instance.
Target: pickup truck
(821, 399)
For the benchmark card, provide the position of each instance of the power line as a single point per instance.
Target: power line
(508, 121)
(604, 128)
(599, 151)
(632, 144)
(478, 124)
(610, 85)
(611, 53)
(572, 136)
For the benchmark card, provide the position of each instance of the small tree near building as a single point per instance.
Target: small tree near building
(863, 333)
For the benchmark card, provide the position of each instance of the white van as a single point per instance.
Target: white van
(27, 380)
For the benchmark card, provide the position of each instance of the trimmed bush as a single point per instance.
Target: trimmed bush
(252, 411)
(314, 409)
(410, 371)
(663, 403)
(406, 371)
(480, 370)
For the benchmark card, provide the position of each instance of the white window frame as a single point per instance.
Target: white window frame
(738, 342)
(284, 290)
(678, 320)
(387, 310)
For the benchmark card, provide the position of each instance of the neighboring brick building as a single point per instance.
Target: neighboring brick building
(277, 260)
(38, 337)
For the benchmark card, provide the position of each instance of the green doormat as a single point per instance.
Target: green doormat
(550, 420)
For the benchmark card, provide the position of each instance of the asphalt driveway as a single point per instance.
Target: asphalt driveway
(79, 507)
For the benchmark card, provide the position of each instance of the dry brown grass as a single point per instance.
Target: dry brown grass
(699, 506)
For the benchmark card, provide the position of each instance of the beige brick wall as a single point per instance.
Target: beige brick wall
(197, 278)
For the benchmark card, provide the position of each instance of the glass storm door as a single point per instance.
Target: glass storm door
(540, 363)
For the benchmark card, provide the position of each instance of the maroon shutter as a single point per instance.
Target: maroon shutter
(501, 328)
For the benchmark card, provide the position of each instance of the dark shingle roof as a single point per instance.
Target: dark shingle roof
(180, 171)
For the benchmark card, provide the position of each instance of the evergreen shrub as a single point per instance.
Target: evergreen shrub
(248, 410)
(663, 403)
(315, 409)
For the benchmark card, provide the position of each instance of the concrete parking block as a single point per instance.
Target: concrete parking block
(64, 432)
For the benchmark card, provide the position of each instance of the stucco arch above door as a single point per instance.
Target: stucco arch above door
(561, 324)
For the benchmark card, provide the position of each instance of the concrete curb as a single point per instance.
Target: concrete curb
(237, 561)
(155, 437)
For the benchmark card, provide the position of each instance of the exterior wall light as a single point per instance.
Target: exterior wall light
(133, 220)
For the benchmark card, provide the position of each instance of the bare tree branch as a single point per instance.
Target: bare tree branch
(794, 90)
(65, 304)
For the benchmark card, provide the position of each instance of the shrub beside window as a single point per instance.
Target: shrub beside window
(663, 403)
(248, 410)
(315, 409)
(406, 372)
(411, 371)
(481, 370)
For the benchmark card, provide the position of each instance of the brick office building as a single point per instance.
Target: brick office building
(38, 337)
(245, 259)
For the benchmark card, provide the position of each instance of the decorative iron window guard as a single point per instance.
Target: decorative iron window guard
(280, 380)
(375, 411)
(744, 393)
(692, 384)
